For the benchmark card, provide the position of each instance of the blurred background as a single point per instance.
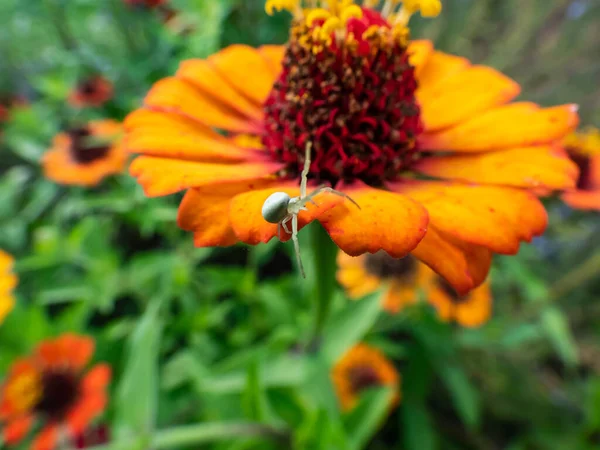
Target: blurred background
(199, 335)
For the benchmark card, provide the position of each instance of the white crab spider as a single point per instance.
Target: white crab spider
(280, 208)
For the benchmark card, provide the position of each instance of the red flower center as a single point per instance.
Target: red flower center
(352, 97)
(363, 377)
(60, 390)
(584, 182)
(83, 149)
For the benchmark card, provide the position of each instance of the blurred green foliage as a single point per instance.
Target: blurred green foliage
(216, 337)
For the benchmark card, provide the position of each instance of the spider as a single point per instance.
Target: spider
(280, 208)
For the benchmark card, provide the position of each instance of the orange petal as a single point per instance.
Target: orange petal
(178, 96)
(163, 176)
(15, 430)
(68, 350)
(90, 406)
(97, 378)
(173, 136)
(438, 66)
(385, 221)
(202, 74)
(464, 267)
(498, 218)
(398, 296)
(419, 51)
(249, 225)
(477, 309)
(6, 261)
(463, 95)
(205, 211)
(353, 276)
(514, 125)
(586, 200)
(274, 56)
(547, 167)
(246, 70)
(46, 439)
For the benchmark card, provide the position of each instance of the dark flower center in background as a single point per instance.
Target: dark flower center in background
(83, 150)
(383, 265)
(584, 182)
(449, 290)
(363, 377)
(353, 98)
(60, 390)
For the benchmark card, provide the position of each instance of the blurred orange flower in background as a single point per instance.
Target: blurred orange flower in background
(51, 387)
(92, 91)
(429, 145)
(8, 281)
(404, 279)
(584, 149)
(85, 155)
(363, 367)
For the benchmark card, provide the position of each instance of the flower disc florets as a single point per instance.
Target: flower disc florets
(347, 87)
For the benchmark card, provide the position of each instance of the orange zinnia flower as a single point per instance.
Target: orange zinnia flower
(584, 150)
(402, 278)
(8, 281)
(85, 155)
(93, 91)
(363, 367)
(379, 112)
(51, 387)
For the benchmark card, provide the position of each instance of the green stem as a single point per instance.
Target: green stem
(587, 270)
(192, 435)
(324, 253)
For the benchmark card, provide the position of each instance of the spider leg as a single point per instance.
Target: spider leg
(339, 194)
(297, 244)
(279, 231)
(284, 224)
(305, 170)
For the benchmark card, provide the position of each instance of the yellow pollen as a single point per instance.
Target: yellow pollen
(24, 392)
(317, 14)
(428, 8)
(292, 6)
(351, 12)
(586, 142)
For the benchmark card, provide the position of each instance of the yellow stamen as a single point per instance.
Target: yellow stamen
(351, 12)
(292, 6)
(24, 391)
(586, 142)
(317, 14)
(428, 8)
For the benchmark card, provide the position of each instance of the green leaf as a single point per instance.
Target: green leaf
(137, 393)
(253, 399)
(349, 326)
(418, 431)
(557, 330)
(464, 396)
(366, 418)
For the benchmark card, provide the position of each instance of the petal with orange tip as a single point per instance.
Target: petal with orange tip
(514, 125)
(385, 221)
(203, 75)
(438, 66)
(68, 350)
(175, 95)
(419, 52)
(96, 379)
(160, 134)
(461, 268)
(463, 95)
(274, 56)
(205, 211)
(164, 176)
(16, 429)
(82, 414)
(586, 200)
(246, 70)
(497, 218)
(545, 166)
(245, 213)
(46, 439)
